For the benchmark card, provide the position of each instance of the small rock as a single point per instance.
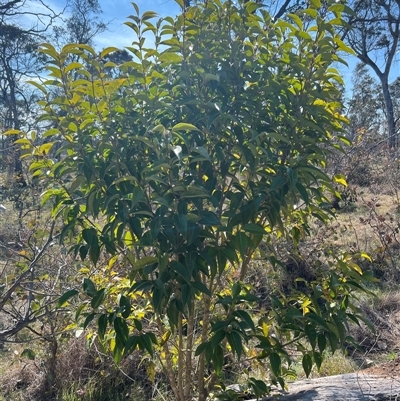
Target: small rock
(368, 363)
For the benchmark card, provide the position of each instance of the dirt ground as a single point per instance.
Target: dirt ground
(387, 370)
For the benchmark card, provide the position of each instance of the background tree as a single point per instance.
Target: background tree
(19, 62)
(82, 25)
(365, 108)
(374, 36)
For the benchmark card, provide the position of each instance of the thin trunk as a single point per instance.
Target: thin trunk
(202, 359)
(181, 360)
(18, 170)
(189, 349)
(391, 124)
(168, 361)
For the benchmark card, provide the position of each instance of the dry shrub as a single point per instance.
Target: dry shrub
(383, 312)
(78, 373)
(82, 370)
(74, 365)
(24, 378)
(360, 174)
(296, 274)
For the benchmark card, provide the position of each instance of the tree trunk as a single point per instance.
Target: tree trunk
(15, 124)
(391, 124)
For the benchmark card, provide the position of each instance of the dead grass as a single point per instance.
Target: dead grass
(19, 377)
(383, 311)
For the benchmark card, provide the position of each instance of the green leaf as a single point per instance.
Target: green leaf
(219, 335)
(72, 66)
(235, 341)
(65, 297)
(121, 330)
(94, 251)
(173, 313)
(185, 294)
(184, 127)
(218, 359)
(296, 19)
(241, 242)
(198, 285)
(142, 262)
(107, 51)
(303, 192)
(138, 324)
(38, 86)
(181, 270)
(344, 140)
(307, 364)
(317, 359)
(245, 317)
(321, 322)
(76, 183)
(102, 324)
(254, 229)
(89, 288)
(321, 343)
(275, 361)
(200, 349)
(125, 305)
(145, 340)
(209, 219)
(236, 289)
(98, 298)
(316, 3)
(88, 319)
(131, 344)
(311, 335)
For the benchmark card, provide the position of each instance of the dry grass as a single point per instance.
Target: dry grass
(19, 376)
(383, 311)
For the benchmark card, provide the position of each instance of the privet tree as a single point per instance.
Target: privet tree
(174, 173)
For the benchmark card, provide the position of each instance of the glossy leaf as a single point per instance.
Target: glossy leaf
(65, 297)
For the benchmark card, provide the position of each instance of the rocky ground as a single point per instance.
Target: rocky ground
(378, 383)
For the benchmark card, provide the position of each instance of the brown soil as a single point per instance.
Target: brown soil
(390, 369)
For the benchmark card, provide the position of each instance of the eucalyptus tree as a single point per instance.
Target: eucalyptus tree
(365, 108)
(19, 62)
(374, 35)
(82, 24)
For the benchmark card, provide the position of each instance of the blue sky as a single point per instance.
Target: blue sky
(117, 11)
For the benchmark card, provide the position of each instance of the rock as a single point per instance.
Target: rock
(368, 363)
(348, 387)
